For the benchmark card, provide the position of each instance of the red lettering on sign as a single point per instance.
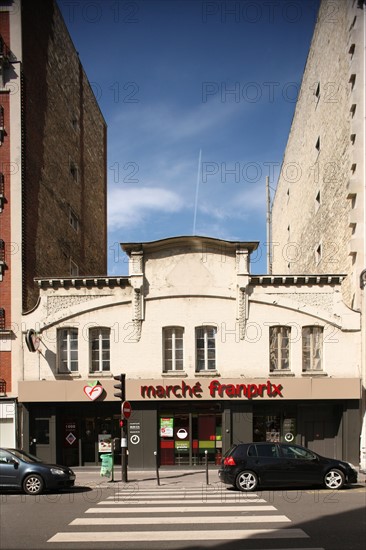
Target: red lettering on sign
(215, 388)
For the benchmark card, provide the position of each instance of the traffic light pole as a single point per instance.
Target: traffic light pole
(124, 451)
(123, 423)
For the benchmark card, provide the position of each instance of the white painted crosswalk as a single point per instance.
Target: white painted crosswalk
(160, 515)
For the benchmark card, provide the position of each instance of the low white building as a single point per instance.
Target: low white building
(212, 355)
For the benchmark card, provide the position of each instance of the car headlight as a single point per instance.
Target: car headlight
(352, 466)
(57, 472)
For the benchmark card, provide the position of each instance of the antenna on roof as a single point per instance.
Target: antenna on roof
(197, 188)
(269, 228)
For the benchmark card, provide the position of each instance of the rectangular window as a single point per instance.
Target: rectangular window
(279, 348)
(205, 348)
(173, 348)
(74, 269)
(100, 349)
(73, 220)
(68, 349)
(312, 348)
(74, 172)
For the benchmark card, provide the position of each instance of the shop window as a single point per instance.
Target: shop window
(68, 349)
(266, 428)
(173, 349)
(100, 349)
(279, 348)
(42, 431)
(205, 348)
(312, 348)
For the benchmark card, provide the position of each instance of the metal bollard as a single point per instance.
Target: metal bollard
(206, 462)
(157, 467)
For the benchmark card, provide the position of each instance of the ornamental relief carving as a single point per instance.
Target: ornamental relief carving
(58, 303)
(318, 300)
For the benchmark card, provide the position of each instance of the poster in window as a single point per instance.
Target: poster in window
(166, 427)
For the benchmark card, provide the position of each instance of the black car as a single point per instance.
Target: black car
(249, 465)
(21, 470)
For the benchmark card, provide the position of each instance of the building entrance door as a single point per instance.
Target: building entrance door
(185, 437)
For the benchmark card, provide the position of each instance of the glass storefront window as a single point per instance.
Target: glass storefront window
(184, 438)
(266, 428)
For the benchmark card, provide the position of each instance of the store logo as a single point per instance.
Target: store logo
(245, 390)
(93, 390)
(215, 389)
(182, 433)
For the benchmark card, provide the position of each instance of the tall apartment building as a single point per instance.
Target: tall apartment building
(318, 213)
(52, 174)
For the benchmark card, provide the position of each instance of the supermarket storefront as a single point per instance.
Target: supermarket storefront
(181, 419)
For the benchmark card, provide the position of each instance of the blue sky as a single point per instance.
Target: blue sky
(174, 78)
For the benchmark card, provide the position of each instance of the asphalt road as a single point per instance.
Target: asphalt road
(174, 516)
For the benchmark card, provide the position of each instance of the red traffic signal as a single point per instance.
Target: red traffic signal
(122, 422)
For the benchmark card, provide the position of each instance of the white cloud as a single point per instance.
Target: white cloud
(130, 207)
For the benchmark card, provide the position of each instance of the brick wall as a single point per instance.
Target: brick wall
(65, 162)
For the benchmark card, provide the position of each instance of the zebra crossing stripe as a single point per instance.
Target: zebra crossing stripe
(169, 536)
(169, 520)
(182, 509)
(175, 501)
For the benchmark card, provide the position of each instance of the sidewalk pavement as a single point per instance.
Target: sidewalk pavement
(89, 476)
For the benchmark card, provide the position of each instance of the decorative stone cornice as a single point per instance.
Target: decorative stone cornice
(80, 282)
(278, 280)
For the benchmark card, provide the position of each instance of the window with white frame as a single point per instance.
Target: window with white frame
(173, 349)
(205, 348)
(100, 356)
(68, 349)
(312, 348)
(279, 348)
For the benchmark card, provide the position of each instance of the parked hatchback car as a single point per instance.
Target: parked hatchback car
(21, 470)
(251, 465)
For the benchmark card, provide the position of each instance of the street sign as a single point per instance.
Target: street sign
(126, 409)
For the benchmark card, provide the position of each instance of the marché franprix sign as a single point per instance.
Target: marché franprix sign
(215, 390)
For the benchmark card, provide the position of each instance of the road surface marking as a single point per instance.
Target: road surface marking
(158, 536)
(175, 520)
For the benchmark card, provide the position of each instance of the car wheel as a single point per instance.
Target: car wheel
(247, 481)
(334, 479)
(33, 484)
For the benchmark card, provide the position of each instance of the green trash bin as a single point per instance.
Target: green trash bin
(107, 465)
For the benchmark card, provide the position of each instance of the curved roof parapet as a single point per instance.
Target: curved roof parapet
(195, 242)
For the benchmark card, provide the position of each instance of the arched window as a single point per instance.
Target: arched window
(173, 349)
(205, 348)
(68, 349)
(100, 359)
(312, 348)
(279, 348)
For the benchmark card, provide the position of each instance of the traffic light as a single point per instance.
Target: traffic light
(120, 386)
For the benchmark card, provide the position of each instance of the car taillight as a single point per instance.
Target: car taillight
(229, 461)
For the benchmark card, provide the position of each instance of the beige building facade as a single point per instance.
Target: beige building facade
(319, 209)
(212, 355)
